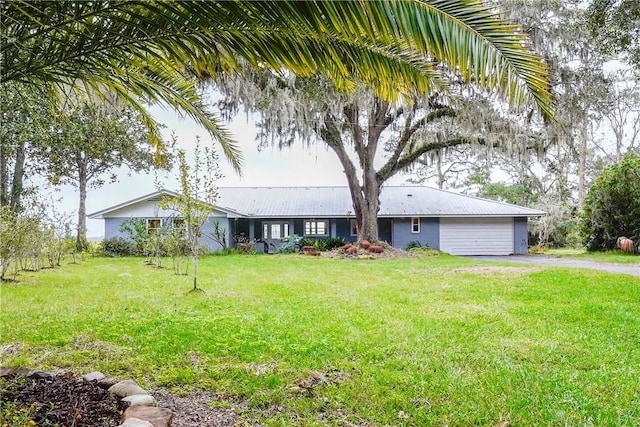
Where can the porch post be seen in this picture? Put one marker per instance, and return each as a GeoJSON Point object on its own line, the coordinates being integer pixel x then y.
{"type": "Point", "coordinates": [252, 229]}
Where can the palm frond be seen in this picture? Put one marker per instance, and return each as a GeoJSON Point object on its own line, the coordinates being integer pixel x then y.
{"type": "Point", "coordinates": [144, 50]}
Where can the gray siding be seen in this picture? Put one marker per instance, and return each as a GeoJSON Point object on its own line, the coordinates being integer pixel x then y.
{"type": "Point", "coordinates": [429, 232]}
{"type": "Point", "coordinates": [112, 229]}
{"type": "Point", "coordinates": [343, 229]}
{"type": "Point", "coordinates": [207, 230]}
{"type": "Point", "coordinates": [520, 236]}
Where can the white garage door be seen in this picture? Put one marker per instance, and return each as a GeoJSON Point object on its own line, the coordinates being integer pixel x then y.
{"type": "Point", "coordinates": [476, 236]}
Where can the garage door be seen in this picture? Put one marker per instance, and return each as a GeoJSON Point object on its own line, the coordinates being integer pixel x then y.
{"type": "Point", "coordinates": [476, 236]}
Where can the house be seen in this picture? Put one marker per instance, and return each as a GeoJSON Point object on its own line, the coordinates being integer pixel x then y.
{"type": "Point", "coordinates": [454, 223]}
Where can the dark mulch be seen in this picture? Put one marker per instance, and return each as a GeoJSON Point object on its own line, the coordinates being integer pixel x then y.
{"type": "Point", "coordinates": [62, 401]}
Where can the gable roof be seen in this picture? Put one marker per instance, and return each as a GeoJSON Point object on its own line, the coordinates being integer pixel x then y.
{"type": "Point", "coordinates": [395, 201]}
{"type": "Point", "coordinates": [155, 196]}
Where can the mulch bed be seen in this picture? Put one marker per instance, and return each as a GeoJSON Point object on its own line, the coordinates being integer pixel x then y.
{"type": "Point", "coordinates": [62, 401]}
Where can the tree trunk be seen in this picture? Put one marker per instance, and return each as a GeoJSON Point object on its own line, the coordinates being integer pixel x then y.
{"type": "Point", "coordinates": [582, 170]}
{"type": "Point", "coordinates": [4, 174]}
{"type": "Point", "coordinates": [370, 207]}
{"type": "Point", "coordinates": [18, 178]}
{"type": "Point", "coordinates": [82, 206]}
{"type": "Point", "coordinates": [195, 272]}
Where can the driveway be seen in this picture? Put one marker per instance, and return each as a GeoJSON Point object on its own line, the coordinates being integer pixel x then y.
{"type": "Point", "coordinates": [633, 270]}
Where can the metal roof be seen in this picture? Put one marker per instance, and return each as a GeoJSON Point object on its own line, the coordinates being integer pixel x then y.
{"type": "Point", "coordinates": [395, 201]}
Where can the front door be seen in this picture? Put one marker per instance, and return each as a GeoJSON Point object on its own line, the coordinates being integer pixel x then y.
{"type": "Point", "coordinates": [272, 234]}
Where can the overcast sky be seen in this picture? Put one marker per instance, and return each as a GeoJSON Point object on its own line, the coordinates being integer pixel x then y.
{"type": "Point", "coordinates": [314, 166]}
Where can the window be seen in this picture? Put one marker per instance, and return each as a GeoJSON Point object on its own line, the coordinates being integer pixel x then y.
{"type": "Point", "coordinates": [415, 225]}
{"type": "Point", "coordinates": [154, 225]}
{"type": "Point", "coordinates": [354, 227]}
{"type": "Point", "coordinates": [275, 230]}
{"type": "Point", "coordinates": [179, 226]}
{"type": "Point", "coordinates": [315, 228]}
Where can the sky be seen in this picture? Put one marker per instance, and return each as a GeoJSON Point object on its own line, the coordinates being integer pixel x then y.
{"type": "Point", "coordinates": [297, 166]}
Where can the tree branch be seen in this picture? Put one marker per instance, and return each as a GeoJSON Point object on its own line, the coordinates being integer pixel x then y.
{"type": "Point", "coordinates": [390, 169]}
{"type": "Point", "coordinates": [392, 166]}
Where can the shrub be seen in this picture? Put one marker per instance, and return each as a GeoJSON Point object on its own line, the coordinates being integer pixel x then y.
{"type": "Point", "coordinates": [329, 243]}
{"type": "Point", "coordinates": [612, 206]}
{"type": "Point", "coordinates": [136, 228]}
{"type": "Point", "coordinates": [306, 241]}
{"type": "Point", "coordinates": [117, 246]}
{"type": "Point", "coordinates": [413, 244]}
{"type": "Point", "coordinates": [290, 244]}
{"type": "Point", "coordinates": [244, 245]}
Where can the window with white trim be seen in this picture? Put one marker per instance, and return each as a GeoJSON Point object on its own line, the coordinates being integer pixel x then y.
{"type": "Point", "coordinates": [415, 225]}
{"type": "Point", "coordinates": [154, 225]}
{"type": "Point", "coordinates": [315, 228]}
{"type": "Point", "coordinates": [179, 226]}
{"type": "Point", "coordinates": [353, 225]}
{"type": "Point", "coordinates": [275, 230]}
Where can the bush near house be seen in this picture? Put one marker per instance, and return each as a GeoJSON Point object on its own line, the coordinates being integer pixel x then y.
{"type": "Point", "coordinates": [612, 206]}
{"type": "Point", "coordinates": [117, 246]}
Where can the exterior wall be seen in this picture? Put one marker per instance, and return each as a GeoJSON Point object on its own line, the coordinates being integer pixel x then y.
{"type": "Point", "coordinates": [207, 230]}
{"type": "Point", "coordinates": [343, 229]}
{"type": "Point", "coordinates": [112, 229]}
{"type": "Point", "coordinates": [429, 232]}
{"type": "Point", "coordinates": [520, 236]}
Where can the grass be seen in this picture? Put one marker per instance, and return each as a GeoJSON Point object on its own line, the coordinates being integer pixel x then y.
{"type": "Point", "coordinates": [423, 341]}
{"type": "Point", "coordinates": [615, 257]}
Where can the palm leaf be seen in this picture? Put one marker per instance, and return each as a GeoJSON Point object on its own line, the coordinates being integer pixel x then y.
{"type": "Point", "coordinates": [145, 50]}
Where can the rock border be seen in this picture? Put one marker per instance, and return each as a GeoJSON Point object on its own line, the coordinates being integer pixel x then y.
{"type": "Point", "coordinates": [143, 410]}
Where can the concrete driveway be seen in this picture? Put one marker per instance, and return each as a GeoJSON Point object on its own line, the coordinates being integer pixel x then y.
{"type": "Point", "coordinates": [633, 270]}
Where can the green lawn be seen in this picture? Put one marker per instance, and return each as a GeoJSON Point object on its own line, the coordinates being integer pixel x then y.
{"type": "Point", "coordinates": [423, 341]}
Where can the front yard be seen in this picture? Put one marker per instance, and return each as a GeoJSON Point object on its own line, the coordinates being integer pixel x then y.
{"type": "Point", "coordinates": [292, 340]}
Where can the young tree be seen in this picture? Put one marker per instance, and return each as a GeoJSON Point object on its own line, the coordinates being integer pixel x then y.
{"type": "Point", "coordinates": [195, 201]}
{"type": "Point", "coordinates": [88, 140]}
{"type": "Point", "coordinates": [24, 119]}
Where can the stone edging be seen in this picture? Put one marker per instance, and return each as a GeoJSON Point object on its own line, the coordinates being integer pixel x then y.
{"type": "Point", "coordinates": [142, 411]}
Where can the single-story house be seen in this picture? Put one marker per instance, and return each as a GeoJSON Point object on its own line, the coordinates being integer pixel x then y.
{"type": "Point", "coordinates": [451, 222]}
